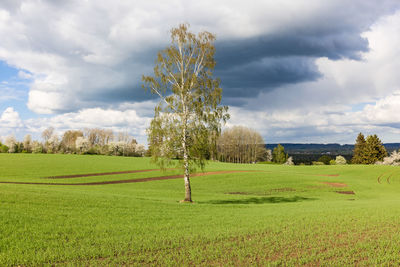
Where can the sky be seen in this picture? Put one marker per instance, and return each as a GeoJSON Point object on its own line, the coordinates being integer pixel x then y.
{"type": "Point", "coordinates": [304, 71]}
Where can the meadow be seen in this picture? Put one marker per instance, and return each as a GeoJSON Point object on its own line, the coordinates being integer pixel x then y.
{"type": "Point", "coordinates": [265, 215]}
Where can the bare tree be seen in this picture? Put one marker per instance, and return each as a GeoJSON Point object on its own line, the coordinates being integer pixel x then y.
{"type": "Point", "coordinates": [69, 139]}
{"type": "Point", "coordinates": [47, 133]}
{"type": "Point", "coordinates": [241, 145]}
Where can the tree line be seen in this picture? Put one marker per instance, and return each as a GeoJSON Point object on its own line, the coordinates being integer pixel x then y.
{"type": "Point", "coordinates": [243, 145]}
{"type": "Point", "coordinates": [94, 141]}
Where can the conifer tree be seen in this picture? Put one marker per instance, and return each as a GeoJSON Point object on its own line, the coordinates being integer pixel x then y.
{"type": "Point", "coordinates": [279, 155]}
{"type": "Point", "coordinates": [359, 150]}
{"type": "Point", "coordinates": [374, 150]}
{"type": "Point", "coordinates": [368, 151]}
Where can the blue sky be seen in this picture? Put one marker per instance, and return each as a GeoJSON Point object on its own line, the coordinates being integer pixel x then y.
{"type": "Point", "coordinates": [296, 71]}
{"type": "Point", "coordinates": [16, 90]}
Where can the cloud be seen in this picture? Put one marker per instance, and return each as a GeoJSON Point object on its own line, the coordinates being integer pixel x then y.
{"type": "Point", "coordinates": [248, 80]}
{"type": "Point", "coordinates": [384, 112]}
{"type": "Point", "coordinates": [9, 93]}
{"type": "Point", "coordinates": [345, 82]}
{"type": "Point", "coordinates": [10, 119]}
{"type": "Point", "coordinates": [294, 70]}
{"type": "Point", "coordinates": [86, 54]}
{"type": "Point", "coordinates": [24, 75]}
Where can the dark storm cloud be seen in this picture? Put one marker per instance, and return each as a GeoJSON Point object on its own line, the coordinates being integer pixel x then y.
{"type": "Point", "coordinates": [250, 66]}
{"type": "Point", "coordinates": [123, 94]}
{"type": "Point", "coordinates": [315, 43]}
{"type": "Point", "coordinates": [249, 79]}
{"type": "Point", "coordinates": [102, 49]}
{"type": "Point", "coordinates": [287, 55]}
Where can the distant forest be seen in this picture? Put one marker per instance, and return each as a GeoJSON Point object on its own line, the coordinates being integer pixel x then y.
{"type": "Point", "coordinates": [307, 153]}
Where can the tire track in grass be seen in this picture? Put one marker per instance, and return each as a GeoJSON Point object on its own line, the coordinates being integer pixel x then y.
{"type": "Point", "coordinates": [388, 178]}
{"type": "Point", "coordinates": [392, 176]}
{"type": "Point", "coordinates": [98, 174]}
{"type": "Point", "coordinates": [131, 180]}
{"type": "Point", "coordinates": [381, 176]}
{"type": "Point", "coordinates": [147, 179]}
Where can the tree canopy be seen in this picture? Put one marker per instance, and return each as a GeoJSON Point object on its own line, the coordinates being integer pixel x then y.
{"type": "Point", "coordinates": [187, 119]}
{"type": "Point", "coordinates": [279, 155]}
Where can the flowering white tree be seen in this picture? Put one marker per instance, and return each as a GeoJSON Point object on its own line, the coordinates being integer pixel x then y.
{"type": "Point", "coordinates": [37, 147]}
{"type": "Point", "coordinates": [11, 143]}
{"type": "Point", "coordinates": [340, 160]}
{"type": "Point", "coordinates": [140, 150]}
{"type": "Point", "coordinates": [27, 143]}
{"type": "Point", "coordinates": [82, 144]}
{"type": "Point", "coordinates": [289, 161]}
{"type": "Point", "coordinates": [52, 143]}
{"type": "Point", "coordinates": [116, 147]}
{"type": "Point", "coordinates": [393, 159]}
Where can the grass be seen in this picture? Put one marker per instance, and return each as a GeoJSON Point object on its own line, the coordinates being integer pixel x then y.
{"type": "Point", "coordinates": [280, 215]}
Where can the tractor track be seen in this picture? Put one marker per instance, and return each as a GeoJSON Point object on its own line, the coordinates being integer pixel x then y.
{"type": "Point", "coordinates": [388, 176]}
{"type": "Point", "coordinates": [139, 180]}
{"type": "Point", "coordinates": [98, 174]}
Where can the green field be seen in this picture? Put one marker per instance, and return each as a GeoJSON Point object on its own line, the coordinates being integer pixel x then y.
{"type": "Point", "coordinates": [278, 215]}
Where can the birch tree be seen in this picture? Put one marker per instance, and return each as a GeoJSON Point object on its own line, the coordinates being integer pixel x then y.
{"type": "Point", "coordinates": [239, 144]}
{"type": "Point", "coordinates": [189, 110]}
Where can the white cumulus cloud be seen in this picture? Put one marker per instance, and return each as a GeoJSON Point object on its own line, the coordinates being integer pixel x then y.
{"type": "Point", "coordinates": [10, 119]}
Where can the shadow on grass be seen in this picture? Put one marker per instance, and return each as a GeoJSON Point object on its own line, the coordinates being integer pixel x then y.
{"type": "Point", "coordinates": [260, 200]}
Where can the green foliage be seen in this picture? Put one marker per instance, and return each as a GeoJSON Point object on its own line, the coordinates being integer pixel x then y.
{"type": "Point", "coordinates": [368, 151]}
{"type": "Point", "coordinates": [317, 163]}
{"type": "Point", "coordinates": [375, 150]}
{"type": "Point", "coordinates": [187, 119]}
{"type": "Point", "coordinates": [332, 162]}
{"type": "Point", "coordinates": [325, 159]}
{"type": "Point", "coordinates": [278, 154]}
{"type": "Point", "coordinates": [3, 148]}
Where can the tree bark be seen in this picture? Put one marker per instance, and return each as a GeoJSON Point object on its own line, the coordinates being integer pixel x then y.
{"type": "Point", "coordinates": [188, 190]}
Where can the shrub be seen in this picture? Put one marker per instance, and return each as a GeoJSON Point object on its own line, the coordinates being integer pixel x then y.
{"type": "Point", "coordinates": [317, 163]}
{"type": "Point", "coordinates": [340, 160]}
{"type": "Point", "coordinates": [3, 148]}
{"type": "Point", "coordinates": [332, 162]}
{"type": "Point", "coordinates": [92, 151]}
{"type": "Point", "coordinates": [289, 161]}
{"type": "Point", "coordinates": [325, 159]}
